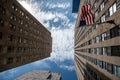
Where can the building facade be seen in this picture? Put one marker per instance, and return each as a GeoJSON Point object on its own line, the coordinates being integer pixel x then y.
{"type": "Point", "coordinates": [40, 75]}
{"type": "Point", "coordinates": [23, 39]}
{"type": "Point", "coordinates": [97, 46]}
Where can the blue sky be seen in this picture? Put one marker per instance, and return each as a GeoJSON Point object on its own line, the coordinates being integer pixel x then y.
{"type": "Point", "coordinates": [57, 17]}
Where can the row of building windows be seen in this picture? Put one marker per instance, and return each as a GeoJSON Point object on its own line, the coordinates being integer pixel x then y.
{"type": "Point", "coordinates": [111, 51]}
{"type": "Point", "coordinates": [12, 49]}
{"type": "Point", "coordinates": [94, 74]}
{"type": "Point", "coordinates": [88, 72]}
{"type": "Point", "coordinates": [11, 60]}
{"type": "Point", "coordinates": [20, 21]}
{"type": "Point", "coordinates": [108, 13]}
{"type": "Point", "coordinates": [15, 8]}
{"type": "Point", "coordinates": [114, 32]}
{"type": "Point", "coordinates": [25, 41]}
{"type": "Point", "coordinates": [14, 28]}
{"type": "Point", "coordinates": [111, 68]}
{"type": "Point", "coordinates": [27, 27]}
{"type": "Point", "coordinates": [101, 6]}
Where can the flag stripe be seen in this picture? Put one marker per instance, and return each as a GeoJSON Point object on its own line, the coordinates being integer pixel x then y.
{"type": "Point", "coordinates": [86, 14]}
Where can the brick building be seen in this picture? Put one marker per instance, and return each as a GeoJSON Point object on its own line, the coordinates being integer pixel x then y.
{"type": "Point", "coordinates": [40, 75]}
{"type": "Point", "coordinates": [23, 39]}
{"type": "Point", "coordinates": [97, 46]}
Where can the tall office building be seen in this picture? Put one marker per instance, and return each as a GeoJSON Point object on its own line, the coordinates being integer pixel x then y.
{"type": "Point", "coordinates": [23, 39]}
{"type": "Point", "coordinates": [97, 46]}
{"type": "Point", "coordinates": [40, 75]}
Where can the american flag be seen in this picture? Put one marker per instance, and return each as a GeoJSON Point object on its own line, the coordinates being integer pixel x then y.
{"type": "Point", "coordinates": [86, 15]}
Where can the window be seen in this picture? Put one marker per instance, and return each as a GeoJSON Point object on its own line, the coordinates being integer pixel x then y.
{"type": "Point", "coordinates": [97, 39]}
{"type": "Point", "coordinates": [25, 40]}
{"type": "Point", "coordinates": [103, 18]}
{"type": "Point", "coordinates": [27, 17]}
{"type": "Point", "coordinates": [98, 51]}
{"type": "Point", "coordinates": [0, 48]}
{"type": "Point", "coordinates": [2, 10]}
{"type": "Point", "coordinates": [1, 35]}
{"type": "Point", "coordinates": [26, 25]}
{"type": "Point", "coordinates": [10, 49]}
{"type": "Point", "coordinates": [18, 59]}
{"type": "Point", "coordinates": [118, 4]}
{"type": "Point", "coordinates": [104, 51]}
{"type": "Point", "coordinates": [96, 14]}
{"type": "Point", "coordinates": [102, 6]}
{"type": "Point", "coordinates": [101, 64]}
{"type": "Point", "coordinates": [22, 14]}
{"type": "Point", "coordinates": [1, 23]}
{"type": "Point", "coordinates": [11, 37]}
{"type": "Point", "coordinates": [13, 17]}
{"type": "Point", "coordinates": [12, 27]}
{"type": "Point", "coordinates": [20, 21]}
{"type": "Point", "coordinates": [97, 62]}
{"type": "Point", "coordinates": [14, 7]}
{"type": "Point", "coordinates": [116, 70]}
{"type": "Point", "coordinates": [20, 30]}
{"type": "Point", "coordinates": [109, 69]}
{"type": "Point", "coordinates": [114, 32]}
{"type": "Point", "coordinates": [95, 4]}
{"type": "Point", "coordinates": [96, 25]}
{"type": "Point", "coordinates": [19, 40]}
{"type": "Point", "coordinates": [105, 1]}
{"type": "Point", "coordinates": [9, 60]}
{"type": "Point", "coordinates": [115, 50]}
{"type": "Point", "coordinates": [26, 33]}
{"type": "Point", "coordinates": [104, 36]}
{"type": "Point", "coordinates": [112, 9]}
{"type": "Point", "coordinates": [105, 65]}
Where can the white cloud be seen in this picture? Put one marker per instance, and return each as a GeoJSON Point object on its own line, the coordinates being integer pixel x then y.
{"type": "Point", "coordinates": [63, 39]}
{"type": "Point", "coordinates": [59, 5]}
{"type": "Point", "coordinates": [63, 47]}
{"type": "Point", "coordinates": [56, 20]}
{"type": "Point", "coordinates": [41, 62]}
{"type": "Point", "coordinates": [42, 16]}
{"type": "Point", "coordinates": [70, 68]}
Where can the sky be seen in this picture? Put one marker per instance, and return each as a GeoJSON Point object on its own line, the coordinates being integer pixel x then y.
{"type": "Point", "coordinates": [57, 17]}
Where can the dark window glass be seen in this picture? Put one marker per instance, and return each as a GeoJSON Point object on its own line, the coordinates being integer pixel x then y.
{"type": "Point", "coordinates": [2, 10]}
{"type": "Point", "coordinates": [118, 4]}
{"type": "Point", "coordinates": [10, 49]}
{"type": "Point", "coordinates": [10, 37]}
{"type": "Point", "coordinates": [105, 65]}
{"type": "Point", "coordinates": [14, 7]}
{"type": "Point", "coordinates": [9, 60]}
{"type": "Point", "coordinates": [1, 35]}
{"type": "Point", "coordinates": [12, 27]}
{"type": "Point", "coordinates": [13, 17]}
{"type": "Point", "coordinates": [95, 76]}
{"type": "Point", "coordinates": [18, 59]}
{"type": "Point", "coordinates": [109, 69]}
{"type": "Point", "coordinates": [115, 51]}
{"type": "Point", "coordinates": [1, 23]}
{"type": "Point", "coordinates": [114, 32]}
{"type": "Point", "coordinates": [0, 48]}
{"type": "Point", "coordinates": [116, 70]}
